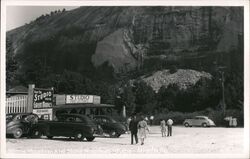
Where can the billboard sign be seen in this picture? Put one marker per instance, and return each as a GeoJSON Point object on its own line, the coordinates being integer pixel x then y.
{"type": "Point", "coordinates": [42, 98]}
{"type": "Point", "coordinates": [42, 103]}
{"type": "Point", "coordinates": [77, 99]}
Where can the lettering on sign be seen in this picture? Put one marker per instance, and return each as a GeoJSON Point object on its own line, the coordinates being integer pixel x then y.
{"type": "Point", "coordinates": [70, 99]}
{"type": "Point", "coordinates": [42, 98]}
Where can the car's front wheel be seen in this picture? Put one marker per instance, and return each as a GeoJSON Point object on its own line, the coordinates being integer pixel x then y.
{"type": "Point", "coordinates": [18, 132]}
{"type": "Point", "coordinates": [186, 125]}
{"type": "Point", "coordinates": [113, 134]}
{"type": "Point", "coordinates": [36, 133]}
{"type": "Point", "coordinates": [90, 138]}
{"type": "Point", "coordinates": [204, 124]}
{"type": "Point", "coordinates": [79, 136]}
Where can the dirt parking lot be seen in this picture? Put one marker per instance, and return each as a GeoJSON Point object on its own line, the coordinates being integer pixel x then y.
{"type": "Point", "coordinates": [184, 140]}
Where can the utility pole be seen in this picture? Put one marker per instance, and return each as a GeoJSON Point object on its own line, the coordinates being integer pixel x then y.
{"type": "Point", "coordinates": [223, 103]}
{"type": "Point", "coordinates": [223, 93]}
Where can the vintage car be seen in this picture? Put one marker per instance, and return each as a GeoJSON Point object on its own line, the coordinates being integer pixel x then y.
{"type": "Point", "coordinates": [20, 124]}
{"type": "Point", "coordinates": [109, 125]}
{"type": "Point", "coordinates": [67, 125]}
{"type": "Point", "coordinates": [203, 121]}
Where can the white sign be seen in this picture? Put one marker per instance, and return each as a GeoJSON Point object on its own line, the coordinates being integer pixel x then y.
{"type": "Point", "coordinates": [45, 114]}
{"type": "Point", "coordinates": [70, 99]}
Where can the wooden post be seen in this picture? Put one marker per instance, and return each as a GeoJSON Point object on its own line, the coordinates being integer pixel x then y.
{"type": "Point", "coordinates": [30, 98]}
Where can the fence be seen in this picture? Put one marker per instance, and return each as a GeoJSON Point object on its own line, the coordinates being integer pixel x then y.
{"type": "Point", "coordinates": [17, 104]}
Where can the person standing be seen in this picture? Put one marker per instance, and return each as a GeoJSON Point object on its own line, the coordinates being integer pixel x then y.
{"type": "Point", "coordinates": [143, 127]}
{"type": "Point", "coordinates": [170, 123]}
{"type": "Point", "coordinates": [163, 128]}
{"type": "Point", "coordinates": [127, 123]}
{"type": "Point", "coordinates": [146, 119]}
{"type": "Point", "coordinates": [133, 129]}
{"type": "Point", "coordinates": [151, 118]}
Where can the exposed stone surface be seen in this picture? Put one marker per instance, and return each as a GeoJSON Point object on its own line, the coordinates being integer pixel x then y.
{"type": "Point", "coordinates": [183, 78]}
{"type": "Point", "coordinates": [114, 50]}
{"type": "Point", "coordinates": [140, 31]}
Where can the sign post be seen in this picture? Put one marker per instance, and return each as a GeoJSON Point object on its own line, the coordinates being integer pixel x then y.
{"type": "Point", "coordinates": [30, 98]}
{"type": "Point", "coordinates": [42, 103]}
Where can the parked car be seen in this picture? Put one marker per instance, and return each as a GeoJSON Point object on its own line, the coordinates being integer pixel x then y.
{"type": "Point", "coordinates": [203, 121]}
{"type": "Point", "coordinates": [68, 125]}
{"type": "Point", "coordinates": [20, 124]}
{"type": "Point", "coordinates": [110, 126]}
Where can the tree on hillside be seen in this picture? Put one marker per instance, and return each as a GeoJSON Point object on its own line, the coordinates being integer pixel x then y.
{"type": "Point", "coordinates": [144, 93]}
{"type": "Point", "coordinates": [11, 64]}
{"type": "Point", "coordinates": [166, 97]}
{"type": "Point", "coordinates": [128, 98]}
{"type": "Point", "coordinates": [144, 96]}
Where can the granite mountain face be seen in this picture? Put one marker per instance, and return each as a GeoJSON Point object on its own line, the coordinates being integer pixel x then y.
{"type": "Point", "coordinates": [130, 38]}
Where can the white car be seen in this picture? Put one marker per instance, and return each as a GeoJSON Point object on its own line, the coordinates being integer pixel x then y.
{"type": "Point", "coordinates": [203, 121]}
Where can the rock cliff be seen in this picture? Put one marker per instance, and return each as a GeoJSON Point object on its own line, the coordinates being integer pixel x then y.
{"type": "Point", "coordinates": [126, 36]}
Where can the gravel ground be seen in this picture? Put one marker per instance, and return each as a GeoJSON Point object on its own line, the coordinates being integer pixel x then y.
{"type": "Point", "coordinates": [193, 140]}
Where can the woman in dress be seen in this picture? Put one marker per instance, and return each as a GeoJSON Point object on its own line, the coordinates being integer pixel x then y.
{"type": "Point", "coordinates": [142, 127]}
{"type": "Point", "coordinates": [163, 128]}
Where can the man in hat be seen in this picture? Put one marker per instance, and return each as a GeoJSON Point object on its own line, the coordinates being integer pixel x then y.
{"type": "Point", "coordinates": [133, 129]}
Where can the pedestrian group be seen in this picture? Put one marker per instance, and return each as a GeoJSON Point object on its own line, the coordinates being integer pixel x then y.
{"type": "Point", "coordinates": [141, 128]}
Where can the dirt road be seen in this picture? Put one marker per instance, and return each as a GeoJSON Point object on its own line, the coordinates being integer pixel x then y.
{"type": "Point", "coordinates": [184, 140]}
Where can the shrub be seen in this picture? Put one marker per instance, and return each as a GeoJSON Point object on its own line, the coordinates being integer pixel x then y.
{"type": "Point", "coordinates": [217, 117]}
{"type": "Point", "coordinates": [173, 69]}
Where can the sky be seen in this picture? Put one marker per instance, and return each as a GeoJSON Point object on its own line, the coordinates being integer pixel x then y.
{"type": "Point", "coordinates": [19, 15]}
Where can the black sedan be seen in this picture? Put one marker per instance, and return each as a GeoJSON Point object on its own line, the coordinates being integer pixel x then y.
{"type": "Point", "coordinates": [68, 125]}
{"type": "Point", "coordinates": [20, 124]}
{"type": "Point", "coordinates": [110, 126]}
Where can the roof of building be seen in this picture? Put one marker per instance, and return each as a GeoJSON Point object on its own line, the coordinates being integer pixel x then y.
{"type": "Point", "coordinates": [18, 90]}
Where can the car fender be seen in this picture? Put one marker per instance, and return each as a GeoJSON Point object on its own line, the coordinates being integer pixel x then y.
{"type": "Point", "coordinates": [11, 129]}
{"type": "Point", "coordinates": [187, 121]}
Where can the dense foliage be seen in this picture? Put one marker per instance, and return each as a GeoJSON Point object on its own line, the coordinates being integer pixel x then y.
{"type": "Point", "coordinates": [11, 65]}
